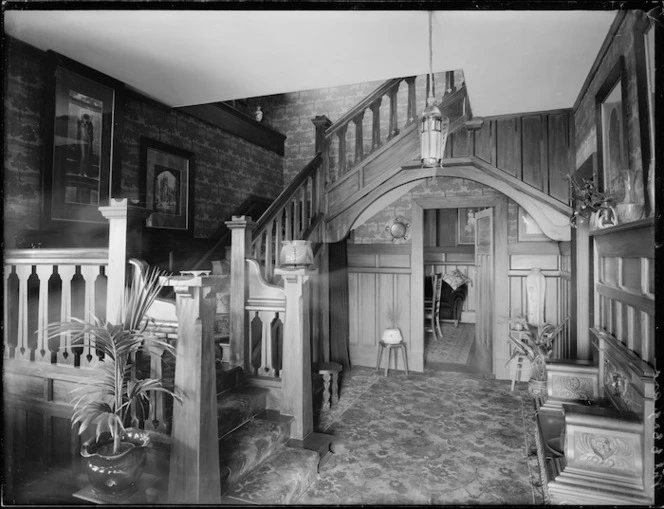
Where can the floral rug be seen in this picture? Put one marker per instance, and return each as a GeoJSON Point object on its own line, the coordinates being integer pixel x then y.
{"type": "Point", "coordinates": [442, 438]}
{"type": "Point", "coordinates": [454, 347]}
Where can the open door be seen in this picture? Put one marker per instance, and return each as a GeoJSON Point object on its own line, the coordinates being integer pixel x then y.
{"type": "Point", "coordinates": [484, 280]}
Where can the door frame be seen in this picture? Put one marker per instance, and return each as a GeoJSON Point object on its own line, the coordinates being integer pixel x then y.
{"type": "Point", "coordinates": [500, 353]}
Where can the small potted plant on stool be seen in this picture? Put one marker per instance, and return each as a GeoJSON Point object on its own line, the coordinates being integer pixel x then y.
{"type": "Point", "coordinates": [392, 335]}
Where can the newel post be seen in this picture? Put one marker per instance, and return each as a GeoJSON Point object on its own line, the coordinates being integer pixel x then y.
{"type": "Point", "coordinates": [241, 228]}
{"type": "Point", "coordinates": [323, 123]}
{"type": "Point", "coordinates": [194, 463]}
{"type": "Point", "coordinates": [121, 218]}
{"type": "Point", "coordinates": [296, 387]}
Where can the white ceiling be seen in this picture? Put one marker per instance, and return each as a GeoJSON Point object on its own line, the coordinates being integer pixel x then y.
{"type": "Point", "coordinates": [513, 61]}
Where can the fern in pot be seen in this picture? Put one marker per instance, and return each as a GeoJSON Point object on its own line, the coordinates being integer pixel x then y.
{"type": "Point", "coordinates": [115, 455]}
{"type": "Point", "coordinates": [392, 335]}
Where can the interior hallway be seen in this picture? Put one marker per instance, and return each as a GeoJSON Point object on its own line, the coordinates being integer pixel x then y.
{"type": "Point", "coordinates": [451, 435]}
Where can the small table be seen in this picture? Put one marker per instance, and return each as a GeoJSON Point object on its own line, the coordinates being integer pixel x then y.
{"type": "Point", "coordinates": [382, 345]}
{"type": "Point", "coordinates": [330, 372]}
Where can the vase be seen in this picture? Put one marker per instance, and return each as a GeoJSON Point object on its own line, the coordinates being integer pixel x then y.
{"type": "Point", "coordinates": [258, 114]}
{"type": "Point", "coordinates": [628, 177]}
{"type": "Point", "coordinates": [115, 474]}
{"type": "Point", "coordinates": [296, 254]}
{"type": "Point", "coordinates": [535, 290]}
{"type": "Point", "coordinates": [392, 336]}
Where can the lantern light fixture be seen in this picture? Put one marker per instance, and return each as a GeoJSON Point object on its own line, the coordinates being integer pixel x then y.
{"type": "Point", "coordinates": [433, 126]}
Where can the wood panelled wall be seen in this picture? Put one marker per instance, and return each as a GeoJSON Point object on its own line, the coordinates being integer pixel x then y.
{"type": "Point", "coordinates": [534, 147]}
{"type": "Point", "coordinates": [379, 276]}
{"type": "Point", "coordinates": [554, 261]}
{"type": "Point", "coordinates": [625, 286]}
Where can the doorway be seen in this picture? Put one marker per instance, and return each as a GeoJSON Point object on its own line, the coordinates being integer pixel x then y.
{"type": "Point", "coordinates": [487, 350]}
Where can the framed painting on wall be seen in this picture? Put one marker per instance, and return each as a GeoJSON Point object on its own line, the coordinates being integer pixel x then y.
{"type": "Point", "coordinates": [166, 185]}
{"type": "Point", "coordinates": [613, 150]}
{"type": "Point", "coordinates": [528, 230]}
{"type": "Point", "coordinates": [466, 226]}
{"type": "Point", "coordinates": [83, 120]}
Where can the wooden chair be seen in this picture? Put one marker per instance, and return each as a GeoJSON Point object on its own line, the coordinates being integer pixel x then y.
{"type": "Point", "coordinates": [432, 306]}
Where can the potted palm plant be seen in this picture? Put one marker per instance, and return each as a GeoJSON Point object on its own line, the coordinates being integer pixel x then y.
{"type": "Point", "coordinates": [104, 403]}
{"type": "Point", "coordinates": [536, 346]}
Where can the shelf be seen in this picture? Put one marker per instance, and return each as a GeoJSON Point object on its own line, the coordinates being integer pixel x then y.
{"type": "Point", "coordinates": [641, 223]}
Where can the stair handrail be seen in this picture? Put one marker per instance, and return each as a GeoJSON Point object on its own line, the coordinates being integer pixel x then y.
{"type": "Point", "coordinates": [286, 195]}
{"type": "Point", "coordinates": [363, 105]}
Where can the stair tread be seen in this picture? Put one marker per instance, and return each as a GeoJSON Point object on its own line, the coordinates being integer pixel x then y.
{"type": "Point", "coordinates": [281, 479]}
{"type": "Point", "coordinates": [239, 405]}
{"type": "Point", "coordinates": [247, 447]}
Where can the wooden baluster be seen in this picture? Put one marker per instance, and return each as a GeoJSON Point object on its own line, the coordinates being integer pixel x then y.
{"type": "Point", "coordinates": [303, 210]}
{"type": "Point", "coordinates": [66, 273]}
{"type": "Point", "coordinates": [44, 273]}
{"type": "Point", "coordinates": [289, 221]}
{"type": "Point", "coordinates": [156, 419]}
{"type": "Point", "coordinates": [450, 87]}
{"type": "Point", "coordinates": [313, 187]}
{"type": "Point", "coordinates": [359, 138]}
{"type": "Point", "coordinates": [322, 123]}
{"type": "Point", "coordinates": [279, 234]}
{"type": "Point", "coordinates": [375, 131]}
{"type": "Point", "coordinates": [22, 350]}
{"type": "Point", "coordinates": [394, 121]}
{"type": "Point", "coordinates": [342, 149]}
{"type": "Point", "coordinates": [266, 361]}
{"type": "Point", "coordinates": [412, 101]}
{"type": "Point", "coordinates": [269, 260]}
{"type": "Point", "coordinates": [89, 273]}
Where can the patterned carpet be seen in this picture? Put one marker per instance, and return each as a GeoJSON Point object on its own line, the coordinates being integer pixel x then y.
{"type": "Point", "coordinates": [437, 437]}
{"type": "Point", "coordinates": [453, 347]}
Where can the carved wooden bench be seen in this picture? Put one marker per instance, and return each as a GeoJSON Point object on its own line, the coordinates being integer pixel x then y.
{"type": "Point", "coordinates": [595, 431]}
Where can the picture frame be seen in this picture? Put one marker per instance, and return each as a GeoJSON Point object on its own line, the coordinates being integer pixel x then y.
{"type": "Point", "coordinates": [166, 185]}
{"type": "Point", "coordinates": [612, 134]}
{"type": "Point", "coordinates": [466, 225]}
{"type": "Point", "coordinates": [527, 229]}
{"type": "Point", "coordinates": [83, 118]}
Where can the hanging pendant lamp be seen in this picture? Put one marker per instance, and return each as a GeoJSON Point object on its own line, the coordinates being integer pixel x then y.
{"type": "Point", "coordinates": [433, 126]}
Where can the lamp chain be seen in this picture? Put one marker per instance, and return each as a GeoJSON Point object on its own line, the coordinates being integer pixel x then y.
{"type": "Point", "coordinates": [431, 91]}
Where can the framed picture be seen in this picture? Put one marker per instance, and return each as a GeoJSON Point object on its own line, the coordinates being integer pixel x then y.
{"type": "Point", "coordinates": [613, 150]}
{"type": "Point", "coordinates": [466, 226]}
{"type": "Point", "coordinates": [83, 119]}
{"type": "Point", "coordinates": [527, 229]}
{"type": "Point", "coordinates": [166, 185]}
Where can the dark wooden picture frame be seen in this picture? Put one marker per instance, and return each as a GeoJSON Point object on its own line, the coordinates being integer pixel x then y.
{"type": "Point", "coordinates": [83, 120]}
{"type": "Point", "coordinates": [612, 133]}
{"type": "Point", "coordinates": [166, 185]}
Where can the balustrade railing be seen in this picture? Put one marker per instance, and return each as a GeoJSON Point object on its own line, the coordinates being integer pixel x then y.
{"type": "Point", "coordinates": [290, 217]}
{"type": "Point", "coordinates": [50, 285]}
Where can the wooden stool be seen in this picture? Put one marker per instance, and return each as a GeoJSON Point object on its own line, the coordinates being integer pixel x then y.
{"type": "Point", "coordinates": [330, 372]}
{"type": "Point", "coordinates": [517, 370]}
{"type": "Point", "coordinates": [392, 346]}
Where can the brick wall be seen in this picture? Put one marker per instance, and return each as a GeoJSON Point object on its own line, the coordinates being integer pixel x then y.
{"type": "Point", "coordinates": [227, 168]}
{"type": "Point", "coordinates": [292, 113]}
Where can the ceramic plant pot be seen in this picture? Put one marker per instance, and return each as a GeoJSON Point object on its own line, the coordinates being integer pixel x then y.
{"type": "Point", "coordinates": [296, 253]}
{"type": "Point", "coordinates": [115, 474]}
{"type": "Point", "coordinates": [392, 336]}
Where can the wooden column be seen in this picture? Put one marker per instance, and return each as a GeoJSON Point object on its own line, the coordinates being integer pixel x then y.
{"type": "Point", "coordinates": [584, 289]}
{"type": "Point", "coordinates": [241, 228]}
{"type": "Point", "coordinates": [120, 218]}
{"type": "Point", "coordinates": [296, 373]}
{"type": "Point", "coordinates": [194, 464]}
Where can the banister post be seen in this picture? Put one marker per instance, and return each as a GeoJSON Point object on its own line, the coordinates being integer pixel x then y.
{"type": "Point", "coordinates": [322, 123]}
{"type": "Point", "coordinates": [375, 128]}
{"type": "Point", "coordinates": [394, 119]}
{"type": "Point", "coordinates": [296, 386]}
{"type": "Point", "coordinates": [412, 100]}
{"type": "Point", "coordinates": [122, 218]}
{"type": "Point", "coordinates": [194, 463]}
{"type": "Point", "coordinates": [241, 233]}
{"type": "Point", "coordinates": [359, 138]}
